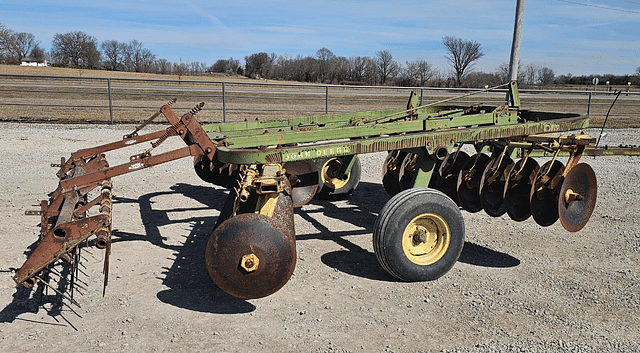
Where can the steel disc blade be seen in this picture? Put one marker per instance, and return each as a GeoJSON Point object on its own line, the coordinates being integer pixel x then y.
{"type": "Point", "coordinates": [391, 172]}
{"type": "Point", "coordinates": [469, 189]}
{"type": "Point", "coordinates": [407, 172]}
{"type": "Point", "coordinates": [210, 173]}
{"type": "Point", "coordinates": [303, 176]}
{"type": "Point", "coordinates": [577, 197]}
{"type": "Point", "coordinates": [544, 195]}
{"type": "Point", "coordinates": [492, 186]}
{"type": "Point", "coordinates": [251, 255]}
{"type": "Point", "coordinates": [517, 188]}
{"type": "Point", "coordinates": [448, 172]}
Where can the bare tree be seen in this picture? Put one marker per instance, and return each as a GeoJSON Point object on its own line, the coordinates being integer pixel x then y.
{"type": "Point", "coordinates": [545, 76]}
{"type": "Point", "coordinates": [462, 54]}
{"type": "Point", "coordinates": [195, 68]}
{"type": "Point", "coordinates": [180, 69]}
{"type": "Point", "coordinates": [259, 65]}
{"type": "Point", "coordinates": [15, 46]}
{"type": "Point", "coordinates": [482, 79]}
{"type": "Point", "coordinates": [228, 66]}
{"type": "Point", "coordinates": [325, 62]}
{"type": "Point", "coordinates": [638, 70]}
{"type": "Point", "coordinates": [387, 67]}
{"type": "Point", "coordinates": [371, 71]}
{"type": "Point", "coordinates": [357, 65]}
{"type": "Point", "coordinates": [38, 54]}
{"type": "Point", "coordinates": [163, 67]}
{"type": "Point", "coordinates": [419, 70]}
{"type": "Point", "coordinates": [531, 74]}
{"type": "Point", "coordinates": [114, 53]}
{"type": "Point", "coordinates": [6, 42]}
{"type": "Point", "coordinates": [137, 58]}
{"type": "Point", "coordinates": [22, 44]}
{"type": "Point", "coordinates": [340, 69]}
{"type": "Point", "coordinates": [75, 48]}
{"type": "Point", "coordinates": [503, 73]}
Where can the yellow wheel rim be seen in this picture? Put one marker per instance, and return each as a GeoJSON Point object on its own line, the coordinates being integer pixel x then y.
{"type": "Point", "coordinates": [426, 239]}
{"type": "Point", "coordinates": [329, 174]}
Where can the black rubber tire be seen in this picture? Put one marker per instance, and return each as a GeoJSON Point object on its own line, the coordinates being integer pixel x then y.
{"type": "Point", "coordinates": [394, 218]}
{"type": "Point", "coordinates": [326, 191]}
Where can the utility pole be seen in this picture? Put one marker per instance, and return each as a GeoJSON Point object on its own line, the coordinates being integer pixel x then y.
{"type": "Point", "coordinates": [515, 45]}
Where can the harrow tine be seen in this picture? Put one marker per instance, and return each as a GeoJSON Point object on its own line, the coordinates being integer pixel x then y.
{"type": "Point", "coordinates": [73, 301]}
{"type": "Point", "coordinates": [105, 269]}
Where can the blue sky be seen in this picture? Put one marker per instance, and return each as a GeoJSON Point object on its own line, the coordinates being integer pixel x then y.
{"type": "Point", "coordinates": [580, 37]}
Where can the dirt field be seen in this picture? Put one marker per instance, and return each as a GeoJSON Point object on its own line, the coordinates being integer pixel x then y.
{"type": "Point", "coordinates": [517, 286]}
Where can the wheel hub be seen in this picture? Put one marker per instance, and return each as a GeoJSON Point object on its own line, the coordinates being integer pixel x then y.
{"type": "Point", "coordinates": [426, 239]}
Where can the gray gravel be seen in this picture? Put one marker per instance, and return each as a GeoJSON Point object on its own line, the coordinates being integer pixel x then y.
{"type": "Point", "coordinates": [518, 287]}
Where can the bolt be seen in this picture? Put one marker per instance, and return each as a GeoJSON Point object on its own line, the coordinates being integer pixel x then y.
{"type": "Point", "coordinates": [419, 236]}
{"type": "Point", "coordinates": [571, 196]}
{"type": "Point", "coordinates": [250, 262]}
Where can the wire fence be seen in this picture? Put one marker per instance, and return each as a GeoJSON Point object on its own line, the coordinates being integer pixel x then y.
{"type": "Point", "coordinates": [131, 100]}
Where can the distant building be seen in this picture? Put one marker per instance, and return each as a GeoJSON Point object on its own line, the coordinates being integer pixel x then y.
{"type": "Point", "coordinates": [32, 62]}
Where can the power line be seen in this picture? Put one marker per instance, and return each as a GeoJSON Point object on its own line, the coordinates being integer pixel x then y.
{"type": "Point", "coordinates": [599, 7]}
{"type": "Point", "coordinates": [631, 2]}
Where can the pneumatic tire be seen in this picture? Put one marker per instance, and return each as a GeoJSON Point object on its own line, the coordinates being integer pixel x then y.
{"type": "Point", "coordinates": [419, 235]}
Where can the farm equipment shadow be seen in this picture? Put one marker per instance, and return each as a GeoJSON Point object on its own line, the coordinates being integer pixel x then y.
{"type": "Point", "coordinates": [189, 285]}
{"type": "Point", "coordinates": [188, 282]}
{"type": "Point", "coordinates": [187, 279]}
{"type": "Point", "coordinates": [366, 202]}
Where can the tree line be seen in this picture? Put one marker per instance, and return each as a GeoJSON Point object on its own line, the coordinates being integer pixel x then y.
{"type": "Point", "coordinates": [81, 50]}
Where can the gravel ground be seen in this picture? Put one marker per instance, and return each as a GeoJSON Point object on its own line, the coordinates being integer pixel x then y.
{"type": "Point", "coordinates": [517, 286]}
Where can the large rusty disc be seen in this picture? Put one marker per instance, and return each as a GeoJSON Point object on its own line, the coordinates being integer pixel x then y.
{"type": "Point", "coordinates": [391, 172]}
{"type": "Point", "coordinates": [303, 176]}
{"type": "Point", "coordinates": [251, 255]}
{"type": "Point", "coordinates": [408, 171]}
{"type": "Point", "coordinates": [492, 186]}
{"type": "Point", "coordinates": [469, 189]}
{"type": "Point", "coordinates": [448, 172]}
{"type": "Point", "coordinates": [209, 172]}
{"type": "Point", "coordinates": [544, 193]}
{"type": "Point", "coordinates": [577, 197]}
{"type": "Point", "coordinates": [517, 188]}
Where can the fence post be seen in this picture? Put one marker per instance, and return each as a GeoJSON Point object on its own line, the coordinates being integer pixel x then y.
{"type": "Point", "coordinates": [589, 105]}
{"type": "Point", "coordinates": [110, 101]}
{"type": "Point", "coordinates": [421, 96]}
{"type": "Point", "coordinates": [224, 104]}
{"type": "Point", "coordinates": [326, 99]}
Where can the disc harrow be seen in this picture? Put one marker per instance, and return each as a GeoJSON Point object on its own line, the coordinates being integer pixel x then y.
{"type": "Point", "coordinates": [441, 158]}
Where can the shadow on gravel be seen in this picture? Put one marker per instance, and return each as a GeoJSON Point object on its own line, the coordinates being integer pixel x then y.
{"type": "Point", "coordinates": [478, 255]}
{"type": "Point", "coordinates": [359, 209]}
{"type": "Point", "coordinates": [33, 300]}
{"type": "Point", "coordinates": [188, 282]}
{"type": "Point", "coordinates": [362, 211]}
